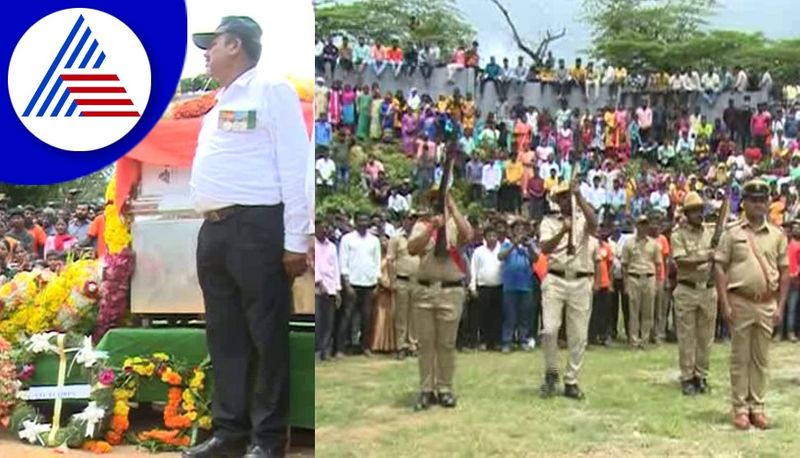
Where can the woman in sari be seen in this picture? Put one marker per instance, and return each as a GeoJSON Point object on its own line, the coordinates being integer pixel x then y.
{"type": "Point", "coordinates": [621, 131]}
{"type": "Point", "coordinates": [409, 131]}
{"type": "Point", "coordinates": [382, 335]}
{"type": "Point", "coordinates": [364, 105]}
{"type": "Point", "coordinates": [348, 108]}
{"type": "Point", "coordinates": [456, 108]}
{"type": "Point", "coordinates": [387, 118]}
{"type": "Point", "coordinates": [399, 105]}
{"type": "Point", "coordinates": [375, 113]}
{"type": "Point", "coordinates": [335, 104]}
{"type": "Point", "coordinates": [610, 122]}
{"type": "Point", "coordinates": [564, 144]}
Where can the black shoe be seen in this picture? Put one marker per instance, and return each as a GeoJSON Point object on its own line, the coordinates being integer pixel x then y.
{"type": "Point", "coordinates": [216, 448]}
{"type": "Point", "coordinates": [548, 388]}
{"type": "Point", "coordinates": [425, 401]}
{"type": "Point", "coordinates": [447, 400]}
{"type": "Point", "coordinates": [701, 385]}
{"type": "Point", "coordinates": [573, 392]}
{"type": "Point", "coordinates": [688, 388]}
{"type": "Point", "coordinates": [257, 451]}
{"type": "Point", "coordinates": [402, 354]}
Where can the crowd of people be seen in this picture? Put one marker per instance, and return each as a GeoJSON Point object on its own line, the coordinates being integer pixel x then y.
{"type": "Point", "coordinates": [46, 237]}
{"type": "Point", "coordinates": [635, 166]}
{"type": "Point", "coordinates": [687, 84]}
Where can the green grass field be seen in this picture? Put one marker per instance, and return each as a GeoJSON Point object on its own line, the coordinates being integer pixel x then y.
{"type": "Point", "coordinates": [633, 407]}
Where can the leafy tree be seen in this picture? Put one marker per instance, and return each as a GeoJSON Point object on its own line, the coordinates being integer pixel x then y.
{"type": "Point", "coordinates": [435, 21]}
{"type": "Point", "coordinates": [91, 188]}
{"type": "Point", "coordinates": [670, 34]}
{"type": "Point", "coordinates": [197, 83]}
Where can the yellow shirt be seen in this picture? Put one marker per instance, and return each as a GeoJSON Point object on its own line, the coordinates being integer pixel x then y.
{"type": "Point", "coordinates": [514, 171]}
{"type": "Point", "coordinates": [547, 75]}
{"type": "Point", "coordinates": [620, 74]}
{"type": "Point", "coordinates": [549, 183]}
{"type": "Point", "coordinates": [578, 74]}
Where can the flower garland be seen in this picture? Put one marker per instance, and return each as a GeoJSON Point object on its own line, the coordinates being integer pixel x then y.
{"type": "Point", "coordinates": [118, 267]}
{"type": "Point", "coordinates": [193, 108]}
{"type": "Point", "coordinates": [114, 292]}
{"type": "Point", "coordinates": [35, 302]}
{"type": "Point", "coordinates": [8, 383]}
{"type": "Point", "coordinates": [89, 423]}
{"type": "Point", "coordinates": [187, 408]}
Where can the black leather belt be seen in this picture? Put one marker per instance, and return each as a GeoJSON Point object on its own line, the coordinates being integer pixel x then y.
{"type": "Point", "coordinates": [565, 275]}
{"type": "Point", "coordinates": [445, 284]}
{"type": "Point", "coordinates": [640, 275]}
{"type": "Point", "coordinates": [403, 277]}
{"type": "Point", "coordinates": [696, 285]}
{"type": "Point", "coordinates": [222, 214]}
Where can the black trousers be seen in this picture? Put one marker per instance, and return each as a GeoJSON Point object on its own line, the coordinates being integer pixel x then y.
{"type": "Point", "coordinates": [248, 302]}
{"type": "Point", "coordinates": [469, 325]}
{"type": "Point", "coordinates": [619, 301]}
{"type": "Point", "coordinates": [325, 314]}
{"type": "Point", "coordinates": [490, 306]}
{"type": "Point", "coordinates": [356, 306]}
{"type": "Point", "coordinates": [600, 323]}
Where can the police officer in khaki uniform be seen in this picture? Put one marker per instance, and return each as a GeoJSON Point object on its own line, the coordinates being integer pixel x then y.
{"type": "Point", "coordinates": [568, 285]}
{"type": "Point", "coordinates": [752, 282]}
{"type": "Point", "coordinates": [437, 299]}
{"type": "Point", "coordinates": [403, 271]}
{"type": "Point", "coordinates": [695, 296]}
{"type": "Point", "coordinates": [641, 266]}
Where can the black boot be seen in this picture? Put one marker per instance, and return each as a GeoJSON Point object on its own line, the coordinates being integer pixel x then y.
{"type": "Point", "coordinates": [425, 400]}
{"type": "Point", "coordinates": [688, 388]}
{"type": "Point", "coordinates": [216, 447]}
{"type": "Point", "coordinates": [572, 391]}
{"type": "Point", "coordinates": [701, 385]}
{"type": "Point", "coordinates": [447, 400]}
{"type": "Point", "coordinates": [548, 388]}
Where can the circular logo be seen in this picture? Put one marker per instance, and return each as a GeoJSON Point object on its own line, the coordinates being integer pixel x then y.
{"type": "Point", "coordinates": [79, 79]}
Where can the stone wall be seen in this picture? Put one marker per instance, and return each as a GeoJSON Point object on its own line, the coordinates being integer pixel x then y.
{"type": "Point", "coordinates": [533, 93]}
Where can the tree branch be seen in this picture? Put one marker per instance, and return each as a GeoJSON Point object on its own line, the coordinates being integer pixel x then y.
{"type": "Point", "coordinates": [537, 55]}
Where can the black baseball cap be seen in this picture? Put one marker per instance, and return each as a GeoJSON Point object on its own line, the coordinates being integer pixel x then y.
{"type": "Point", "coordinates": [242, 27]}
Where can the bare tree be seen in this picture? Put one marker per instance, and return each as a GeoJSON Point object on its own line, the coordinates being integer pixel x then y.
{"type": "Point", "coordinates": [540, 50]}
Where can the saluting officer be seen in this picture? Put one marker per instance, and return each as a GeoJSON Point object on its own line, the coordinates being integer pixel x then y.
{"type": "Point", "coordinates": [752, 283]}
{"type": "Point", "coordinates": [438, 299]}
{"type": "Point", "coordinates": [695, 297]}
{"type": "Point", "coordinates": [641, 267]}
{"type": "Point", "coordinates": [568, 285]}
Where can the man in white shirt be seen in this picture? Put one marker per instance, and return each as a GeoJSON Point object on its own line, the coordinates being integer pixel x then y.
{"type": "Point", "coordinates": [486, 283]}
{"type": "Point", "coordinates": [361, 55]}
{"type": "Point", "coordinates": [491, 179]}
{"type": "Point", "coordinates": [360, 265]}
{"type": "Point", "coordinates": [711, 85]}
{"type": "Point", "coordinates": [597, 196]}
{"type": "Point", "coordinates": [660, 199]}
{"type": "Point", "coordinates": [741, 83]}
{"type": "Point", "coordinates": [766, 82]}
{"type": "Point", "coordinates": [398, 203]}
{"type": "Point", "coordinates": [520, 75]}
{"type": "Point", "coordinates": [325, 173]}
{"type": "Point", "coordinates": [249, 182]}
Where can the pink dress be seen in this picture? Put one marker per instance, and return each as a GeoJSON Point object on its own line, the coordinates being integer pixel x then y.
{"type": "Point", "coordinates": [564, 143]}
{"type": "Point", "coordinates": [335, 107]}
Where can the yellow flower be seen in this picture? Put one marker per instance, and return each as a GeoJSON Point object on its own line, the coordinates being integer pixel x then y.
{"type": "Point", "coordinates": [188, 397]}
{"type": "Point", "coordinates": [192, 415]}
{"type": "Point", "coordinates": [121, 408]}
{"type": "Point", "coordinates": [197, 380]}
{"type": "Point", "coordinates": [205, 422]}
{"type": "Point", "coordinates": [161, 356]}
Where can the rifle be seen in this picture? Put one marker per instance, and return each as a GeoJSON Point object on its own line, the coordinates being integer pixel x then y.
{"type": "Point", "coordinates": [440, 249]}
{"type": "Point", "coordinates": [722, 217]}
{"type": "Point", "coordinates": [574, 207]}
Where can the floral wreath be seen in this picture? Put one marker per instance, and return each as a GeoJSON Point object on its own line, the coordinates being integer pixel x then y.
{"type": "Point", "coordinates": [186, 413]}
{"type": "Point", "coordinates": [81, 428]}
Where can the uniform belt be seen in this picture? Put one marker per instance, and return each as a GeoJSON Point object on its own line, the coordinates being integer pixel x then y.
{"type": "Point", "coordinates": [444, 284]}
{"type": "Point", "coordinates": [222, 214]}
{"type": "Point", "coordinates": [640, 275]}
{"type": "Point", "coordinates": [403, 277]}
{"type": "Point", "coordinates": [754, 297]}
{"type": "Point", "coordinates": [569, 275]}
{"type": "Point", "coordinates": [697, 285]}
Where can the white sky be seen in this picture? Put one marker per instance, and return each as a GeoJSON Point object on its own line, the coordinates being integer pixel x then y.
{"type": "Point", "coordinates": [287, 40]}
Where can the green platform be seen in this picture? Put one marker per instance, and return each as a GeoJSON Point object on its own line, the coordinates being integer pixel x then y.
{"type": "Point", "coordinates": [189, 344]}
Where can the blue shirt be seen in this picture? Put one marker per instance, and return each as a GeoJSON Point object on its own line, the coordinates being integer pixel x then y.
{"type": "Point", "coordinates": [517, 269]}
{"type": "Point", "coordinates": [322, 133]}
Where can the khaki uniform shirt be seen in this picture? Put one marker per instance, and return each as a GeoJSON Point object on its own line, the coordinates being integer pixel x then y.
{"type": "Point", "coordinates": [736, 256]}
{"type": "Point", "coordinates": [582, 261]}
{"type": "Point", "coordinates": [431, 267]}
{"type": "Point", "coordinates": [405, 265]}
{"type": "Point", "coordinates": [688, 242]}
{"type": "Point", "coordinates": [640, 257]}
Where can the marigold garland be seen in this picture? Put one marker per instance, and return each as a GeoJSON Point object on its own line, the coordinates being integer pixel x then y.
{"type": "Point", "coordinates": [117, 235]}
{"type": "Point", "coordinates": [8, 387]}
{"type": "Point", "coordinates": [98, 447]}
{"type": "Point", "coordinates": [186, 411]}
